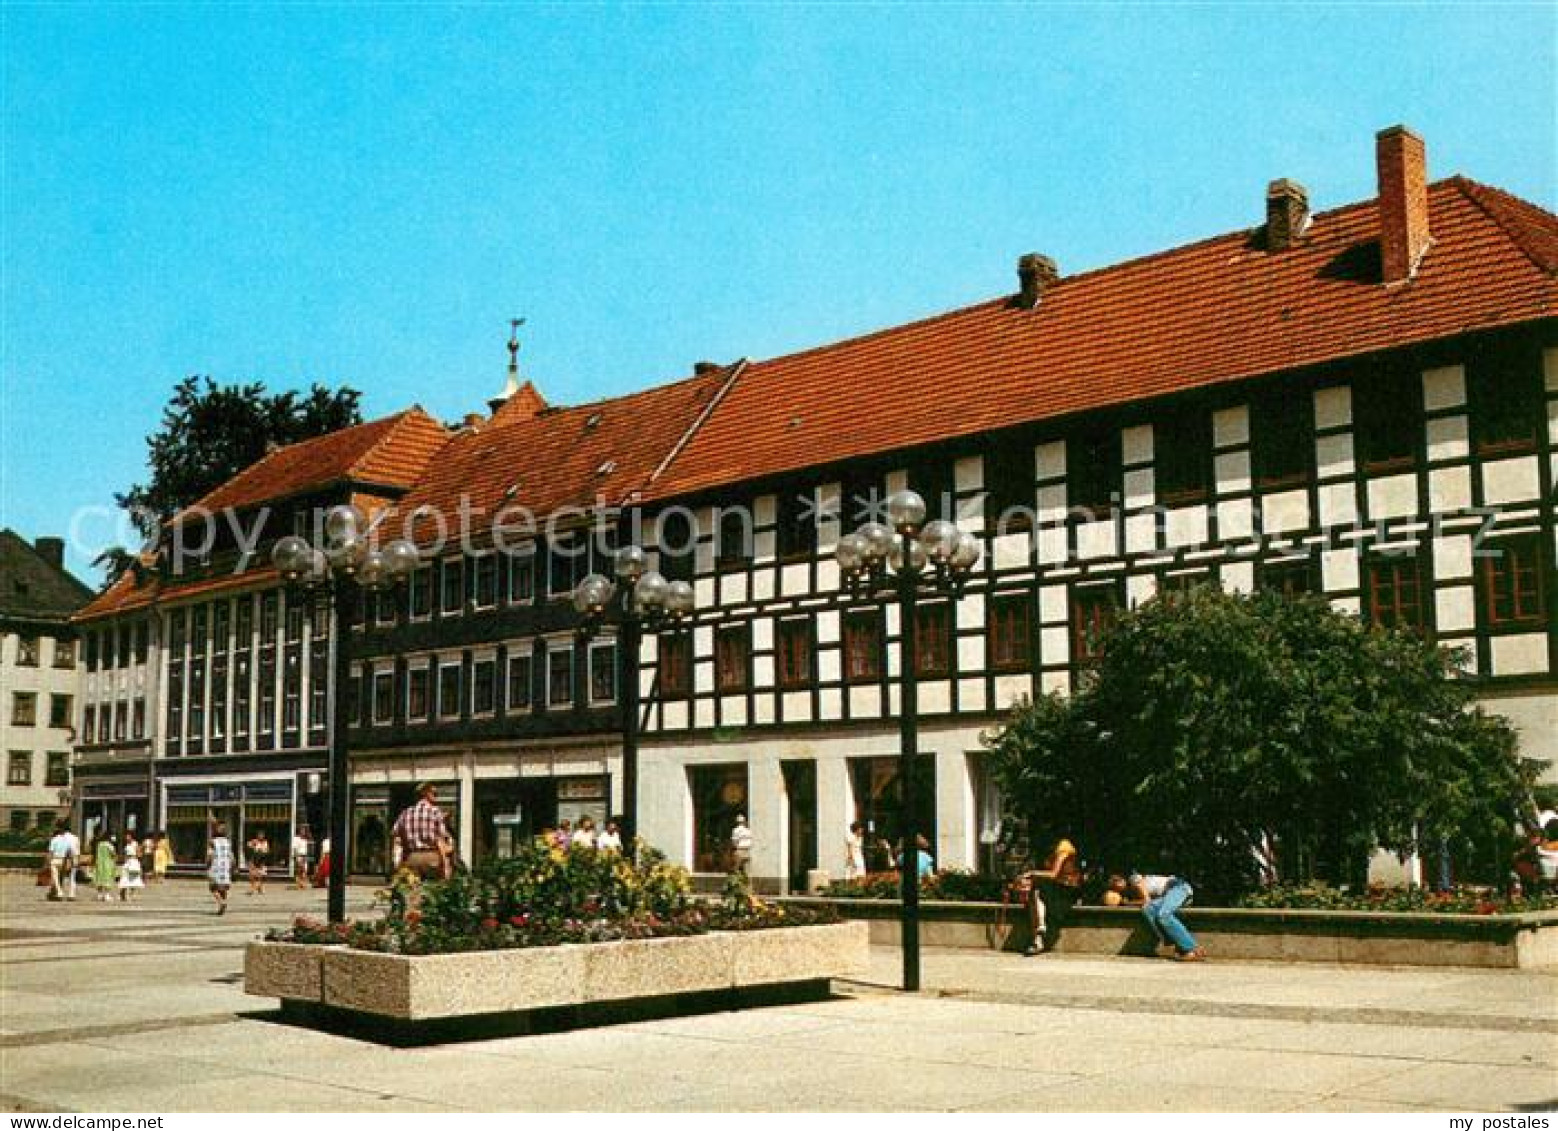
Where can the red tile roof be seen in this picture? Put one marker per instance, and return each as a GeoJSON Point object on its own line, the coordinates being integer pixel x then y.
{"type": "Point", "coordinates": [562, 457]}
{"type": "Point", "coordinates": [390, 452]}
{"type": "Point", "coordinates": [1216, 311]}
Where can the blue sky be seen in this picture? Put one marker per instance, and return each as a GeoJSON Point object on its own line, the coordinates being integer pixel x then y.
{"type": "Point", "coordinates": [364, 195]}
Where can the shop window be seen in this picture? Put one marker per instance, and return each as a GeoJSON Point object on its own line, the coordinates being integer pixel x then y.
{"type": "Point", "coordinates": [677, 542]}
{"type": "Point", "coordinates": [383, 698]}
{"type": "Point", "coordinates": [674, 665]}
{"type": "Point", "coordinates": [1011, 632]}
{"type": "Point", "coordinates": [734, 549]}
{"type": "Point", "coordinates": [1093, 472]}
{"type": "Point", "coordinates": [420, 593]}
{"type": "Point", "coordinates": [1395, 584]}
{"type": "Point", "coordinates": [1513, 576]}
{"type": "Point", "coordinates": [863, 659]}
{"type": "Point", "coordinates": [18, 768]}
{"type": "Point", "coordinates": [60, 710]}
{"type": "Point", "coordinates": [559, 676]}
{"type": "Point", "coordinates": [733, 657]}
{"type": "Point", "coordinates": [418, 681]}
{"type": "Point", "coordinates": [451, 585]}
{"type": "Point", "coordinates": [603, 673]}
{"type": "Point", "coordinates": [1282, 435]}
{"type": "Point", "coordinates": [18, 820]}
{"type": "Point", "coordinates": [57, 771]}
{"type": "Point", "coordinates": [933, 640]}
{"type": "Point", "coordinates": [449, 691]}
{"type": "Point", "coordinates": [796, 516]}
{"type": "Point", "coordinates": [1504, 387]}
{"type": "Point", "coordinates": [879, 806]}
{"type": "Point", "coordinates": [1094, 609]}
{"type": "Point", "coordinates": [1182, 456]}
{"type": "Point", "coordinates": [485, 583]}
{"type": "Point", "coordinates": [1387, 416]}
{"type": "Point", "coordinates": [24, 708]}
{"type": "Point", "coordinates": [26, 651]}
{"type": "Point", "coordinates": [796, 643]}
{"type": "Point", "coordinates": [522, 578]}
{"type": "Point", "coordinates": [65, 654]}
{"type": "Point", "coordinates": [484, 686]}
{"type": "Point", "coordinates": [521, 682]}
{"type": "Point", "coordinates": [719, 796]}
{"type": "Point", "coordinates": [1294, 577]}
{"type": "Point", "coordinates": [1011, 498]}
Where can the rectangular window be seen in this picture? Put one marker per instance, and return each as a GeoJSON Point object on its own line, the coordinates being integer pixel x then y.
{"type": "Point", "coordinates": [1182, 456]}
{"type": "Point", "coordinates": [1504, 387]}
{"type": "Point", "coordinates": [318, 687]}
{"type": "Point", "coordinates": [933, 639]}
{"type": "Point", "coordinates": [485, 582]}
{"type": "Point", "coordinates": [268, 614]}
{"type": "Point", "coordinates": [91, 639]}
{"type": "Point", "coordinates": [795, 646]}
{"type": "Point", "coordinates": [1282, 435]}
{"type": "Point", "coordinates": [1093, 472]}
{"type": "Point", "coordinates": [292, 691]}
{"type": "Point", "coordinates": [383, 698]}
{"type": "Point", "coordinates": [603, 673]}
{"type": "Point", "coordinates": [484, 687]}
{"type": "Point", "coordinates": [521, 682]}
{"type": "Point", "coordinates": [1396, 591]}
{"type": "Point", "coordinates": [567, 557]}
{"type": "Point", "coordinates": [242, 676]}
{"type": "Point", "coordinates": [65, 654]}
{"type": "Point", "coordinates": [1513, 576]}
{"type": "Point", "coordinates": [294, 619]}
{"type": "Point", "coordinates": [60, 712]}
{"type": "Point", "coordinates": [449, 691]}
{"type": "Point", "coordinates": [89, 723]}
{"type": "Point", "coordinates": [105, 719]}
{"type": "Point", "coordinates": [559, 676]}
{"type": "Point", "coordinates": [220, 613]}
{"type": "Point", "coordinates": [175, 705]}
{"type": "Point", "coordinates": [677, 541]}
{"type": "Point", "coordinates": [1011, 497]}
{"type": "Point", "coordinates": [138, 720]}
{"type": "Point", "coordinates": [420, 596]}
{"type": "Point", "coordinates": [384, 607]}
{"type": "Point", "coordinates": [199, 620]}
{"type": "Point", "coordinates": [1294, 577]}
{"type": "Point", "coordinates": [1094, 609]}
{"type": "Point", "coordinates": [733, 657]}
{"type": "Point", "coordinates": [57, 770]}
{"type": "Point", "coordinates": [796, 534]}
{"type": "Point", "coordinates": [121, 720]}
{"type": "Point", "coordinates": [1387, 416]}
{"type": "Point", "coordinates": [674, 665]}
{"type": "Point", "coordinates": [27, 651]}
{"type": "Point", "coordinates": [267, 692]}
{"type": "Point", "coordinates": [522, 578]}
{"type": "Point", "coordinates": [451, 585]}
{"type": "Point", "coordinates": [734, 547]}
{"type": "Point", "coordinates": [18, 768]}
{"type": "Point", "coordinates": [197, 700]}
{"type": "Point", "coordinates": [863, 645]}
{"type": "Point", "coordinates": [418, 684]}
{"type": "Point", "coordinates": [1011, 632]}
{"type": "Point", "coordinates": [124, 646]}
{"type": "Point", "coordinates": [24, 708]}
{"type": "Point", "coordinates": [719, 796]}
{"type": "Point", "coordinates": [243, 625]}
{"type": "Point", "coordinates": [879, 806]}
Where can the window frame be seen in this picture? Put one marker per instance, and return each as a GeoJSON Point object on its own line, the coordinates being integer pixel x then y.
{"type": "Point", "coordinates": [593, 664]}
{"type": "Point", "coordinates": [733, 658]}
{"type": "Point", "coordinates": [18, 767]}
{"type": "Point", "coordinates": [489, 662]}
{"type": "Point", "coordinates": [451, 579]}
{"type": "Point", "coordinates": [1089, 619]}
{"type": "Point", "coordinates": [1011, 638]}
{"type": "Point", "coordinates": [1376, 566]}
{"type": "Point", "coordinates": [450, 701]}
{"type": "Point", "coordinates": [795, 653]}
{"type": "Point", "coordinates": [871, 622]}
{"type": "Point", "coordinates": [1512, 558]}
{"type": "Point", "coordinates": [413, 671]}
{"type": "Point", "coordinates": [382, 695]}
{"type": "Point", "coordinates": [526, 659]}
{"type": "Point", "coordinates": [935, 640]}
{"type": "Point", "coordinates": [56, 769]}
{"type": "Point", "coordinates": [559, 659]}
{"type": "Point", "coordinates": [673, 654]}
{"type": "Point", "coordinates": [27, 717]}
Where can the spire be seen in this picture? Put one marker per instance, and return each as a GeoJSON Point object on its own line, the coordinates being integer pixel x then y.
{"type": "Point", "coordinates": [511, 386]}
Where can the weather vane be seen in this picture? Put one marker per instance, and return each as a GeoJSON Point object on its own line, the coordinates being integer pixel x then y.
{"type": "Point", "coordinates": [514, 325]}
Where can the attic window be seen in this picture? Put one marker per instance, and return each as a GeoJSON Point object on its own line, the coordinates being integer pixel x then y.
{"type": "Point", "coordinates": [510, 491]}
{"type": "Point", "coordinates": [592, 421]}
{"type": "Point", "coordinates": [606, 468]}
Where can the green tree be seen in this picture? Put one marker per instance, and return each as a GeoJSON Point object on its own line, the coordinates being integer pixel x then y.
{"type": "Point", "coordinates": [1221, 730]}
{"type": "Point", "coordinates": [210, 432]}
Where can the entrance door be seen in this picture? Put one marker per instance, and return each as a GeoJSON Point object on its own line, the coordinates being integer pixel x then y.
{"type": "Point", "coordinates": [511, 811]}
{"type": "Point", "coordinates": [800, 786]}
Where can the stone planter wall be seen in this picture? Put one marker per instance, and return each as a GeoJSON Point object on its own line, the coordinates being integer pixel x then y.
{"type": "Point", "coordinates": [437, 986]}
{"type": "Point", "coordinates": [1364, 937]}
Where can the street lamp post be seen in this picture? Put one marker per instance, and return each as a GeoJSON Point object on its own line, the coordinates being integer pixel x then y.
{"type": "Point", "coordinates": [347, 566]}
{"type": "Point", "coordinates": [901, 563]}
{"type": "Point", "coordinates": [643, 601]}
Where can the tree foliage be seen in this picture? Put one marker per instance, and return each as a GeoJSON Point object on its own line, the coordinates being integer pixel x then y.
{"type": "Point", "coordinates": [1221, 729]}
{"type": "Point", "coordinates": [210, 432]}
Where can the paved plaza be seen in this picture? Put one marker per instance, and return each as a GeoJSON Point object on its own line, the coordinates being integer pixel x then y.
{"type": "Point", "coordinates": [141, 1008]}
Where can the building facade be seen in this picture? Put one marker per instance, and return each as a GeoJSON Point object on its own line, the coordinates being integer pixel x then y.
{"type": "Point", "coordinates": [39, 679]}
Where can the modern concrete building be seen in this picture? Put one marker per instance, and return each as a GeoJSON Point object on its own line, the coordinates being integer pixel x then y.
{"type": "Point", "coordinates": [39, 679]}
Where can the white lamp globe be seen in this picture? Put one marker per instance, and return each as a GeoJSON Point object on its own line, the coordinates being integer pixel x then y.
{"type": "Point", "coordinates": [916, 560]}
{"type": "Point", "coordinates": [906, 511]}
{"type": "Point", "coordinates": [400, 559]}
{"type": "Point", "coordinates": [592, 594]}
{"type": "Point", "coordinates": [850, 553]}
{"type": "Point", "coordinates": [650, 592]}
{"type": "Point", "coordinates": [967, 552]}
{"type": "Point", "coordinates": [343, 523]}
{"type": "Point", "coordinates": [630, 563]}
{"type": "Point", "coordinates": [679, 599]}
{"type": "Point", "coordinates": [346, 554]}
{"type": "Point", "coordinates": [940, 539]}
{"type": "Point", "coordinates": [373, 570]}
{"type": "Point", "coordinates": [877, 541]}
{"type": "Point", "coordinates": [290, 556]}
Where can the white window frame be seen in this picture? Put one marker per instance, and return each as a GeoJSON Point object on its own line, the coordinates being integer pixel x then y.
{"type": "Point", "coordinates": [438, 692]}
{"type": "Point", "coordinates": [425, 664]}
{"type": "Point", "coordinates": [598, 646]}
{"type": "Point", "coordinates": [484, 658]}
{"type": "Point", "coordinates": [373, 693]}
{"type": "Point", "coordinates": [518, 652]}
{"type": "Point", "coordinates": [554, 650]}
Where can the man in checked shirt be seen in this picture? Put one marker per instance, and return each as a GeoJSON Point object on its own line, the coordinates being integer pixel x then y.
{"type": "Point", "coordinates": [423, 836]}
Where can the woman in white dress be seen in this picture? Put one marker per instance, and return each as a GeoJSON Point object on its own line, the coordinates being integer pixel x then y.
{"type": "Point", "coordinates": [131, 879]}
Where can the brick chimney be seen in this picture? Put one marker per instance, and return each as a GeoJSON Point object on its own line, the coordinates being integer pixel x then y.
{"type": "Point", "coordinates": [51, 550]}
{"type": "Point", "coordinates": [1035, 275]}
{"type": "Point", "coordinates": [1287, 213]}
{"type": "Point", "coordinates": [1403, 202]}
{"type": "Point", "coordinates": [704, 368]}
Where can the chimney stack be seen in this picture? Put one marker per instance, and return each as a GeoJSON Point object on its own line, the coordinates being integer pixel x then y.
{"type": "Point", "coordinates": [1402, 166]}
{"type": "Point", "coordinates": [1287, 213]}
{"type": "Point", "coordinates": [704, 368]}
{"type": "Point", "coordinates": [1035, 275]}
{"type": "Point", "coordinates": [51, 550]}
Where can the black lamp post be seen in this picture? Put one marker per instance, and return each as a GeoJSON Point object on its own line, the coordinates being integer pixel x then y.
{"type": "Point", "coordinates": [347, 566]}
{"type": "Point", "coordinates": [640, 600]}
{"type": "Point", "coordinates": [879, 564]}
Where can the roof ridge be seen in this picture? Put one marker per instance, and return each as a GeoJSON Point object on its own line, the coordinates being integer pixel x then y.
{"type": "Point", "coordinates": [398, 421]}
{"type": "Point", "coordinates": [1475, 191]}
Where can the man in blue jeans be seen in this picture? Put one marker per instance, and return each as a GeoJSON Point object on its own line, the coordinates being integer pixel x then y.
{"type": "Point", "coordinates": [1161, 898]}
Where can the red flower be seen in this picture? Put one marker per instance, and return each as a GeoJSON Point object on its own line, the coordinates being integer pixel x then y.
{"type": "Point", "coordinates": [413, 918]}
{"type": "Point", "coordinates": [489, 924]}
{"type": "Point", "coordinates": [519, 920]}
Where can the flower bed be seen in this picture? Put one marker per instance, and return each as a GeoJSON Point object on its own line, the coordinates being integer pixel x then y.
{"type": "Point", "coordinates": [1461, 900]}
{"type": "Point", "coordinates": [954, 885]}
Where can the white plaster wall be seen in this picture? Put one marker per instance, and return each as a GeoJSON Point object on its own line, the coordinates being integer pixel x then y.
{"type": "Point", "coordinates": [1508, 481]}
{"type": "Point", "coordinates": [1449, 489]}
{"type": "Point", "coordinates": [1392, 496]}
{"type": "Point", "coordinates": [1535, 716]}
{"type": "Point", "coordinates": [1333, 407]}
{"type": "Point", "coordinates": [1231, 426]}
{"type": "Point", "coordinates": [1444, 388]}
{"type": "Point", "coordinates": [1525, 654]}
